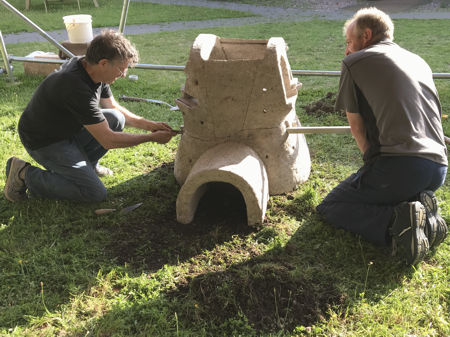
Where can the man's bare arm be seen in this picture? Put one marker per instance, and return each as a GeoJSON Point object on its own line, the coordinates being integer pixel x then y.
{"type": "Point", "coordinates": [358, 130]}
{"type": "Point", "coordinates": [110, 139]}
{"type": "Point", "coordinates": [134, 120]}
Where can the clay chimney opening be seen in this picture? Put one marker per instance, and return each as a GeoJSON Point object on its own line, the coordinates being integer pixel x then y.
{"type": "Point", "coordinates": [237, 50]}
{"type": "Point", "coordinates": [222, 203]}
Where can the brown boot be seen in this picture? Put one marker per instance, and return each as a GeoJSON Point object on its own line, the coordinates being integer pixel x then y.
{"type": "Point", "coordinates": [15, 188]}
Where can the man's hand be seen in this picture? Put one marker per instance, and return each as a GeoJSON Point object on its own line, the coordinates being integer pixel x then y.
{"type": "Point", "coordinates": [162, 136]}
{"type": "Point", "coordinates": [158, 126]}
{"type": "Point", "coordinates": [110, 139]}
{"type": "Point", "coordinates": [133, 120]}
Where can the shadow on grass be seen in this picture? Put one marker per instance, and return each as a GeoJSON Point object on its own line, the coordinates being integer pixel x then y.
{"type": "Point", "coordinates": [151, 237]}
{"type": "Point", "coordinates": [293, 284]}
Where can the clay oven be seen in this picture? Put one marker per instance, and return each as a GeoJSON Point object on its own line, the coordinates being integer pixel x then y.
{"type": "Point", "coordinates": [238, 100]}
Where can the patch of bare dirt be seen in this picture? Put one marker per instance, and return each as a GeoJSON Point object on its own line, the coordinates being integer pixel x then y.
{"type": "Point", "coordinates": [267, 291]}
{"type": "Point", "coordinates": [150, 244]}
{"type": "Point", "coordinates": [323, 106]}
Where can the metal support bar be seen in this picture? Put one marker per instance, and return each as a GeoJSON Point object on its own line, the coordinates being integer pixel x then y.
{"type": "Point", "coordinates": [123, 17]}
{"type": "Point", "coordinates": [35, 59]}
{"type": "Point", "coordinates": [338, 73]}
{"type": "Point", "coordinates": [181, 68]}
{"type": "Point", "coordinates": [316, 72]}
{"type": "Point", "coordinates": [319, 129]}
{"type": "Point", "coordinates": [441, 75]}
{"type": "Point", "coordinates": [40, 31]}
{"type": "Point", "coordinates": [330, 129]}
{"type": "Point", "coordinates": [159, 67]}
{"type": "Point", "coordinates": [5, 58]}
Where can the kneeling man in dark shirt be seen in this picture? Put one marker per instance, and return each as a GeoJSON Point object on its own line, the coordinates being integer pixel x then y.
{"type": "Point", "coordinates": [72, 120]}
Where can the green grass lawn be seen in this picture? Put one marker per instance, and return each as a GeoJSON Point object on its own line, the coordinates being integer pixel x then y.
{"type": "Point", "coordinates": [65, 271]}
{"type": "Point", "coordinates": [107, 14]}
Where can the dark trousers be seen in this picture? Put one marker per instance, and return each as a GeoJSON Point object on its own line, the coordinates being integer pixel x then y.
{"type": "Point", "coordinates": [364, 202]}
{"type": "Point", "coordinates": [70, 166]}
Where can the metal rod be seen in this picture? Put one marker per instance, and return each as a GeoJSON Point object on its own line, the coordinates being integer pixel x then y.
{"type": "Point", "coordinates": [181, 68]}
{"type": "Point", "coordinates": [48, 60]}
{"type": "Point", "coordinates": [36, 60]}
{"type": "Point", "coordinates": [441, 75]}
{"type": "Point", "coordinates": [123, 17]}
{"type": "Point", "coordinates": [40, 31]}
{"type": "Point", "coordinates": [319, 129]}
{"type": "Point", "coordinates": [316, 72]}
{"type": "Point", "coordinates": [159, 67]}
{"type": "Point", "coordinates": [6, 59]}
{"type": "Point", "coordinates": [338, 73]}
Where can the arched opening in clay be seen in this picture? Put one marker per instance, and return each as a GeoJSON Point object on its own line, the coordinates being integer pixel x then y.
{"type": "Point", "coordinates": [221, 204]}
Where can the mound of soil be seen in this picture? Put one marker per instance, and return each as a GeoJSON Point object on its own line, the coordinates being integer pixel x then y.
{"type": "Point", "coordinates": [266, 290]}
{"type": "Point", "coordinates": [323, 106]}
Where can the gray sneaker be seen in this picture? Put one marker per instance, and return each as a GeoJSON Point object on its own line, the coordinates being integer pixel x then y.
{"type": "Point", "coordinates": [15, 188]}
{"type": "Point", "coordinates": [435, 227]}
{"type": "Point", "coordinates": [408, 236]}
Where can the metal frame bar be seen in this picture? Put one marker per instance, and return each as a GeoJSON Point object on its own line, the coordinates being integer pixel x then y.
{"type": "Point", "coordinates": [6, 58]}
{"type": "Point", "coordinates": [35, 60]}
{"type": "Point", "coordinates": [123, 17]}
{"type": "Point", "coordinates": [338, 73]}
{"type": "Point", "coordinates": [181, 68]}
{"type": "Point", "coordinates": [35, 26]}
{"type": "Point", "coordinates": [318, 129]}
{"type": "Point", "coordinates": [126, 4]}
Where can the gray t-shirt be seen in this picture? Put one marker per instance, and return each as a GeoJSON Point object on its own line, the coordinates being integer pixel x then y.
{"type": "Point", "coordinates": [394, 92]}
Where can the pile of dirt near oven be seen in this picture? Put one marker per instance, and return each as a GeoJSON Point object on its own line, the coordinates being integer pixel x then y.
{"type": "Point", "coordinates": [323, 106]}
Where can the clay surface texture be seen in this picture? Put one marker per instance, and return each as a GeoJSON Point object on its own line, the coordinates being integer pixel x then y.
{"type": "Point", "coordinates": [238, 100]}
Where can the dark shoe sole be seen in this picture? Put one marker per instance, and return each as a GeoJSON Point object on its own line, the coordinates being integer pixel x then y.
{"type": "Point", "coordinates": [13, 167]}
{"type": "Point", "coordinates": [436, 229]}
{"type": "Point", "coordinates": [411, 243]}
{"type": "Point", "coordinates": [419, 243]}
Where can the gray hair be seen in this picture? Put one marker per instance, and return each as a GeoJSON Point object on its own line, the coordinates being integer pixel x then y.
{"type": "Point", "coordinates": [378, 21]}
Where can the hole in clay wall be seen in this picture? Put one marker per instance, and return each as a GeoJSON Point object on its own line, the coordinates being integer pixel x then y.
{"type": "Point", "coordinates": [222, 204]}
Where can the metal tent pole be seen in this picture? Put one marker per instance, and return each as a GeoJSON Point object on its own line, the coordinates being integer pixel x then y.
{"type": "Point", "coordinates": [35, 59]}
{"type": "Point", "coordinates": [181, 68]}
{"type": "Point", "coordinates": [159, 67]}
{"type": "Point", "coordinates": [316, 72]}
{"type": "Point", "coordinates": [35, 26]}
{"type": "Point", "coordinates": [5, 58]}
{"type": "Point", "coordinates": [338, 73]}
{"type": "Point", "coordinates": [123, 17]}
{"type": "Point", "coordinates": [319, 129]}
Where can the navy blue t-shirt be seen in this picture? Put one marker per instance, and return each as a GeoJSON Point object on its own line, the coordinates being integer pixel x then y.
{"type": "Point", "coordinates": [65, 101]}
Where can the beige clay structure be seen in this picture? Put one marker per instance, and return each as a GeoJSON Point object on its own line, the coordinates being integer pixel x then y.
{"type": "Point", "coordinates": [238, 100]}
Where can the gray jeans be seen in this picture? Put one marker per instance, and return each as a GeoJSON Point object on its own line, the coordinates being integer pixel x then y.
{"type": "Point", "coordinates": [70, 166]}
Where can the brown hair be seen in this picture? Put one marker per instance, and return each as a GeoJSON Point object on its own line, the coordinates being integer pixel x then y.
{"type": "Point", "coordinates": [378, 21]}
{"type": "Point", "coordinates": [113, 46]}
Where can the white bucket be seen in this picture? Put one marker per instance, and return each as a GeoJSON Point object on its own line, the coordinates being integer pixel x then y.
{"type": "Point", "coordinates": [79, 28]}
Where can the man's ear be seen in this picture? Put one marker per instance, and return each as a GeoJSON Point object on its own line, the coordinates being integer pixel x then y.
{"type": "Point", "coordinates": [103, 62]}
{"type": "Point", "coordinates": [367, 37]}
